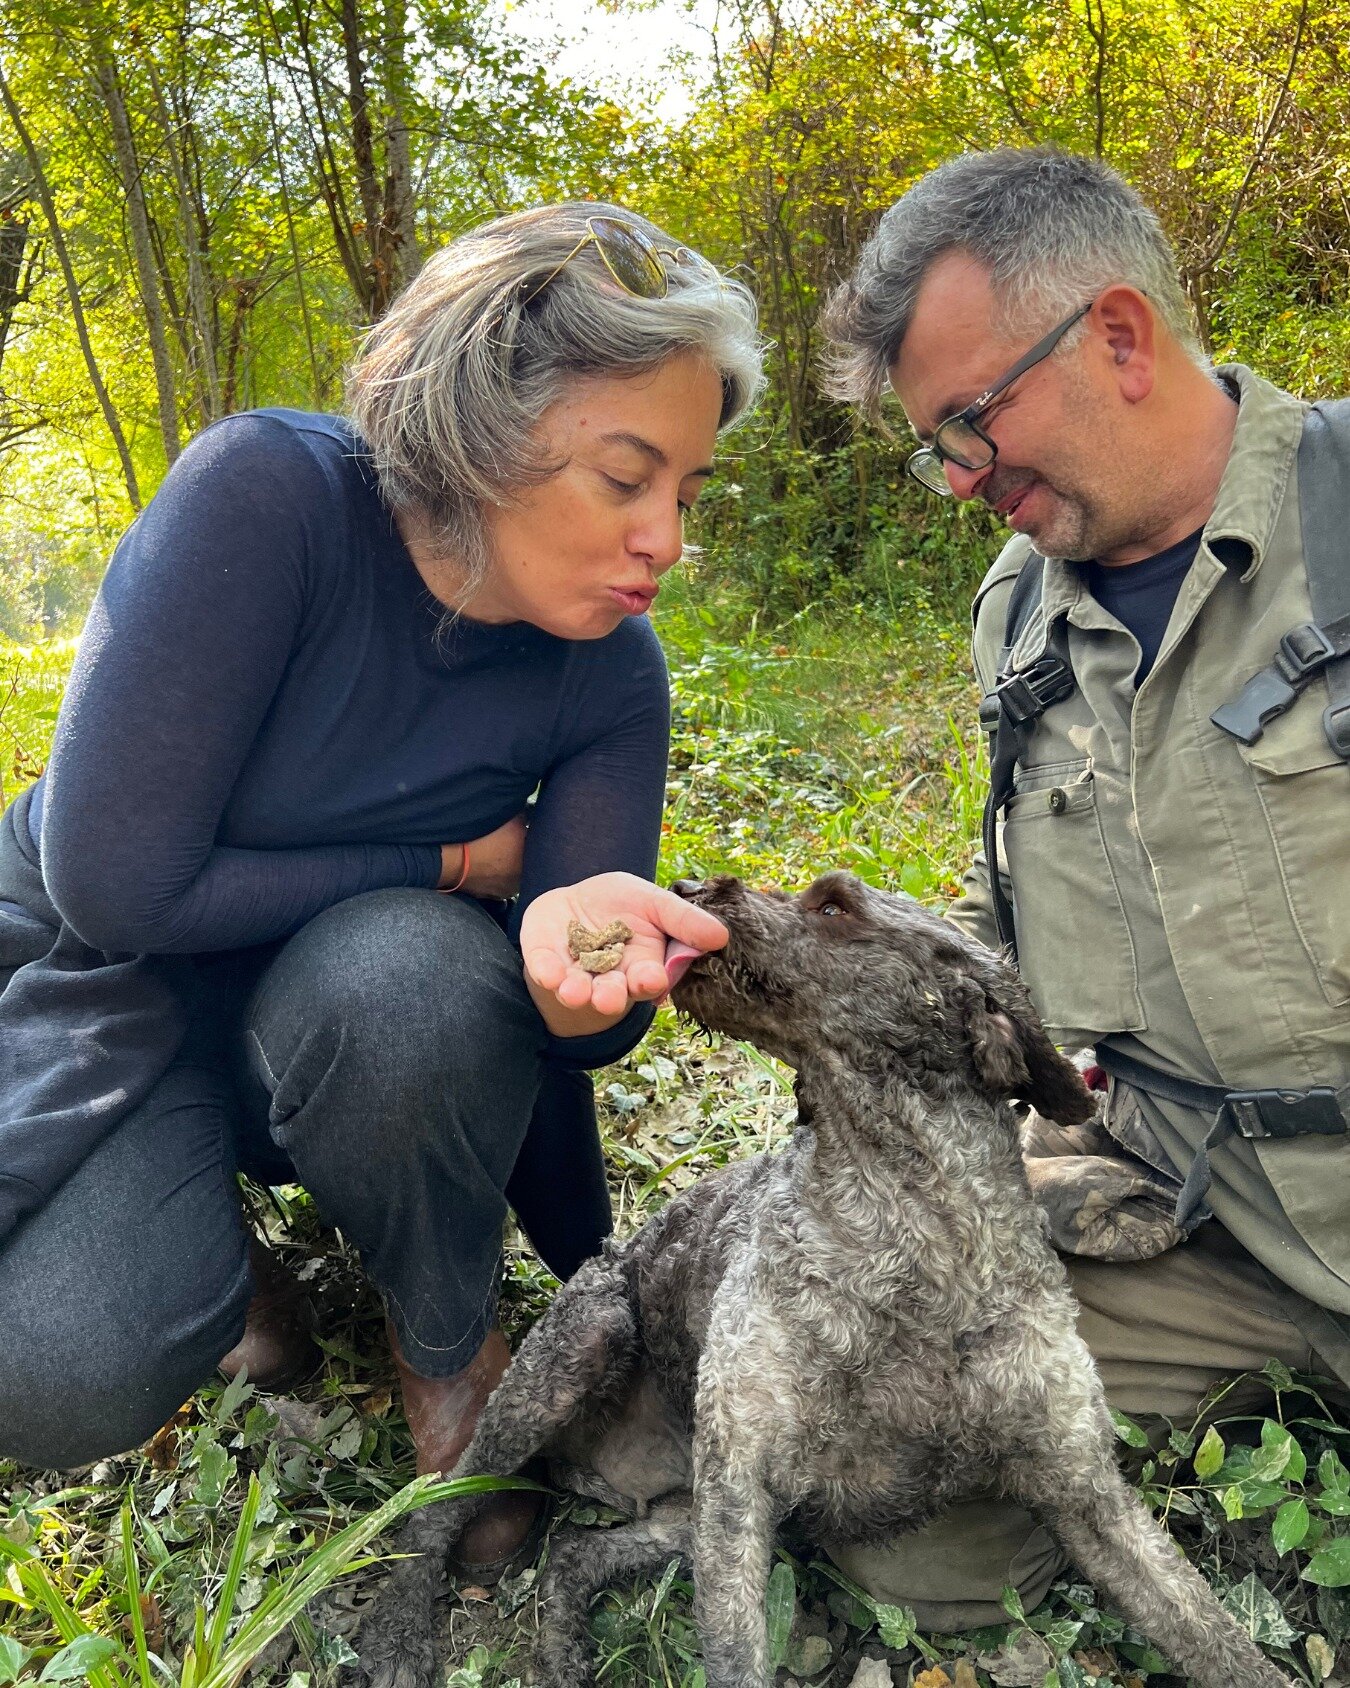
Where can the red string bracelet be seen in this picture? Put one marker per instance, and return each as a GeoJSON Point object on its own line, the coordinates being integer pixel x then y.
{"type": "Point", "coordinates": [448, 890]}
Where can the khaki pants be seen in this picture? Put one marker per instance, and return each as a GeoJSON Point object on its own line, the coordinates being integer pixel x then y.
{"type": "Point", "coordinates": [1163, 1332]}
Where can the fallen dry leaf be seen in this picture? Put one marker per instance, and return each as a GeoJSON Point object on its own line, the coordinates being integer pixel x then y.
{"type": "Point", "coordinates": [934, 1678]}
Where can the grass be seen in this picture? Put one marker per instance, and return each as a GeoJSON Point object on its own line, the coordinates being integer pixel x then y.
{"type": "Point", "coordinates": [239, 1540]}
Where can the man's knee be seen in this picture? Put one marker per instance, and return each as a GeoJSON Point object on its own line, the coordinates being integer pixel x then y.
{"type": "Point", "coordinates": [952, 1573]}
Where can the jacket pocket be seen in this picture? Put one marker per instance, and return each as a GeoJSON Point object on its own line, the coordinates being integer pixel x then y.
{"type": "Point", "coordinates": [1311, 1179]}
{"type": "Point", "coordinates": [1304, 791]}
{"type": "Point", "coordinates": [1074, 946]}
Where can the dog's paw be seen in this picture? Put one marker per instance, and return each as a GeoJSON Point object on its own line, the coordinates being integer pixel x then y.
{"type": "Point", "coordinates": [406, 1659]}
{"type": "Point", "coordinates": [563, 1659]}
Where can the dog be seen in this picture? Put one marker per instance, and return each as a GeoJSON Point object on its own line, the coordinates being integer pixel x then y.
{"type": "Point", "coordinates": [849, 1334]}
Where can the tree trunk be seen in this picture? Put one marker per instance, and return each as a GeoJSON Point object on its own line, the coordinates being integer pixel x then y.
{"type": "Point", "coordinates": [400, 206]}
{"type": "Point", "coordinates": [42, 188]}
{"type": "Point", "coordinates": [200, 300]}
{"type": "Point", "coordinates": [138, 221]}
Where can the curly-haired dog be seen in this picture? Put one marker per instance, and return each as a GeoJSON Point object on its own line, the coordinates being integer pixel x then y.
{"type": "Point", "coordinates": [851, 1333]}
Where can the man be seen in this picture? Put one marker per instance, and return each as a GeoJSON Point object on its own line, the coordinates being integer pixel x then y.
{"type": "Point", "coordinates": [1180, 896]}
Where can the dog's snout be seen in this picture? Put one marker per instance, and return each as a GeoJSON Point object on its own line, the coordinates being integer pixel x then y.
{"type": "Point", "coordinates": [687, 888]}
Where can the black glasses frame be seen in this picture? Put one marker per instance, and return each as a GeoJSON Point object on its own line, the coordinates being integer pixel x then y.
{"type": "Point", "coordinates": [925, 465]}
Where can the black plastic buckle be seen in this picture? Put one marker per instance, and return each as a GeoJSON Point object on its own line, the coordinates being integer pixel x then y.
{"type": "Point", "coordinates": [1027, 695]}
{"type": "Point", "coordinates": [1336, 725]}
{"type": "Point", "coordinates": [1285, 1113]}
{"type": "Point", "coordinates": [1303, 650]}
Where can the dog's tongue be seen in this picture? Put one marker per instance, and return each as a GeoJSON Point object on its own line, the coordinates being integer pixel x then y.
{"type": "Point", "coordinates": [678, 957]}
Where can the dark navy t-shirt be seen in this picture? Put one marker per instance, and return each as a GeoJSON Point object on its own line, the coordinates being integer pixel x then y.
{"type": "Point", "coordinates": [1141, 595]}
{"type": "Point", "coordinates": [269, 714]}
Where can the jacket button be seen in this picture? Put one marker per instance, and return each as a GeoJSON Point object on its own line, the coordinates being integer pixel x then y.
{"type": "Point", "coordinates": [1057, 801]}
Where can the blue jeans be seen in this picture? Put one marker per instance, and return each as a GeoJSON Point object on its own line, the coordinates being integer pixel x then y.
{"type": "Point", "coordinates": [388, 1057]}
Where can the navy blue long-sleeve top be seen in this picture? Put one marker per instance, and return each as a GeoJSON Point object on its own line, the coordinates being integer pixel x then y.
{"type": "Point", "coordinates": [270, 713]}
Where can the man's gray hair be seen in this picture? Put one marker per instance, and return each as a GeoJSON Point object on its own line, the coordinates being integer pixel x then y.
{"type": "Point", "coordinates": [1052, 228]}
{"type": "Point", "coordinates": [449, 387]}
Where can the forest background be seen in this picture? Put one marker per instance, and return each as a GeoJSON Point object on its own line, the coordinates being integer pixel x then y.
{"type": "Point", "coordinates": [200, 206]}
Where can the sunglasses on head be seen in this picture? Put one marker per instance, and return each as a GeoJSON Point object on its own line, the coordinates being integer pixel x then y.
{"type": "Point", "coordinates": [633, 261]}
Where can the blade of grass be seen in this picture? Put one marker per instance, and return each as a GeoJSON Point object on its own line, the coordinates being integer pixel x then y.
{"type": "Point", "coordinates": [132, 1572]}
{"type": "Point", "coordinates": [234, 1571]}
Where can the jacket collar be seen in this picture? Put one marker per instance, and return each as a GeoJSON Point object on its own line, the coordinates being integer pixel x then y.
{"type": "Point", "coordinates": [1247, 506]}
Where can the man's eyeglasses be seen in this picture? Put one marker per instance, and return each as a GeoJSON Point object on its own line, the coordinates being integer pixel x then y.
{"type": "Point", "coordinates": [631, 259]}
{"type": "Point", "coordinates": [960, 439]}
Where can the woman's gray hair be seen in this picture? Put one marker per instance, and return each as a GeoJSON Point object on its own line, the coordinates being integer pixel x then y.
{"type": "Point", "coordinates": [1052, 228]}
{"type": "Point", "coordinates": [449, 387]}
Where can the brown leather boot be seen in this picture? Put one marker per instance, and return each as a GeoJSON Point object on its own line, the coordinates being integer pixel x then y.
{"type": "Point", "coordinates": [276, 1345]}
{"type": "Point", "coordinates": [442, 1413]}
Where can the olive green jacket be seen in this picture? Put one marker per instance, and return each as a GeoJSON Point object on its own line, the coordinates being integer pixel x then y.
{"type": "Point", "coordinates": [1180, 892]}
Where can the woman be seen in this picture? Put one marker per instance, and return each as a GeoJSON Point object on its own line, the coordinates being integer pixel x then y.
{"type": "Point", "coordinates": [328, 669]}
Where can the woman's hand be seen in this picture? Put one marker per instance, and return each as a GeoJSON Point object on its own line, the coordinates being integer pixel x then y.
{"type": "Point", "coordinates": [495, 862]}
{"type": "Point", "coordinates": [573, 1001]}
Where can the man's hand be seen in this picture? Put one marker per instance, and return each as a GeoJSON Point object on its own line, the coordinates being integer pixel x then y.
{"type": "Point", "coordinates": [574, 1001]}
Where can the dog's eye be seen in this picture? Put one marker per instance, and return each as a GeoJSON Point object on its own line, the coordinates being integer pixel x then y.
{"type": "Point", "coordinates": [830, 908]}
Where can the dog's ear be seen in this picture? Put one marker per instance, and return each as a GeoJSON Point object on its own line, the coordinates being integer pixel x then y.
{"type": "Point", "coordinates": [1014, 1057]}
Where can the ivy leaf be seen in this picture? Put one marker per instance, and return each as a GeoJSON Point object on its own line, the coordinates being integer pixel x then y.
{"type": "Point", "coordinates": [895, 1625]}
{"type": "Point", "coordinates": [1209, 1455]}
{"type": "Point", "coordinates": [1321, 1659]}
{"type": "Point", "coordinates": [1256, 1609]}
{"type": "Point", "coordinates": [1271, 1459]}
{"type": "Point", "coordinates": [1290, 1525]}
{"type": "Point", "coordinates": [80, 1656]}
{"type": "Point", "coordinates": [214, 1470]}
{"type": "Point", "coordinates": [1331, 1473]}
{"type": "Point", "coordinates": [1329, 1567]}
{"type": "Point", "coordinates": [13, 1656]}
{"type": "Point", "coordinates": [1128, 1431]}
{"type": "Point", "coordinates": [1280, 1445]}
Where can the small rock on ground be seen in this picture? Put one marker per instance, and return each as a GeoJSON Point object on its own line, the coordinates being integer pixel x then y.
{"type": "Point", "coordinates": [871, 1673]}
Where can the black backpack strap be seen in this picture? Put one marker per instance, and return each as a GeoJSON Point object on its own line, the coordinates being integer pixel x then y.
{"type": "Point", "coordinates": [1010, 711]}
{"type": "Point", "coordinates": [1320, 646]}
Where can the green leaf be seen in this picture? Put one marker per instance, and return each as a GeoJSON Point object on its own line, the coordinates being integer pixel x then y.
{"type": "Point", "coordinates": [78, 1658]}
{"type": "Point", "coordinates": [1277, 1373]}
{"type": "Point", "coordinates": [1334, 1502]}
{"type": "Point", "coordinates": [1059, 1635]}
{"type": "Point", "coordinates": [1290, 1525]}
{"type": "Point", "coordinates": [1321, 1659]}
{"type": "Point", "coordinates": [13, 1656]}
{"type": "Point", "coordinates": [1329, 1567]}
{"type": "Point", "coordinates": [1209, 1455]}
{"type": "Point", "coordinates": [235, 1393]}
{"type": "Point", "coordinates": [1331, 1473]}
{"type": "Point", "coordinates": [1256, 1609]}
{"type": "Point", "coordinates": [214, 1468]}
{"type": "Point", "coordinates": [1012, 1601]}
{"type": "Point", "coordinates": [781, 1604]}
{"type": "Point", "coordinates": [1231, 1501]}
{"type": "Point", "coordinates": [1279, 1444]}
{"type": "Point", "coordinates": [895, 1625]}
{"type": "Point", "coordinates": [1271, 1459]}
{"type": "Point", "coordinates": [1257, 1496]}
{"type": "Point", "coordinates": [1128, 1431]}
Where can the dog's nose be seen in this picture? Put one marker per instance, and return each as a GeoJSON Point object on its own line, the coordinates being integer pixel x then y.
{"type": "Point", "coordinates": [687, 888]}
